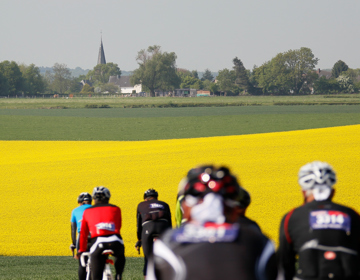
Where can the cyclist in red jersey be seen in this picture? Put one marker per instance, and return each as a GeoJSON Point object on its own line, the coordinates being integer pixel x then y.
{"type": "Point", "coordinates": [103, 222]}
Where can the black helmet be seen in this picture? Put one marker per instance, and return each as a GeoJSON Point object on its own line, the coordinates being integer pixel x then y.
{"type": "Point", "coordinates": [101, 193]}
{"type": "Point", "coordinates": [207, 178]}
{"type": "Point", "coordinates": [151, 193]}
{"type": "Point", "coordinates": [84, 197]}
{"type": "Point", "coordinates": [244, 198]}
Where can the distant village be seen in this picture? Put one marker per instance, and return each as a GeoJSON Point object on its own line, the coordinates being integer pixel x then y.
{"type": "Point", "coordinates": [128, 89]}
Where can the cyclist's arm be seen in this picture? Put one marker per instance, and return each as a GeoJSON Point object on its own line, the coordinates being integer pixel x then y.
{"type": "Point", "coordinates": [139, 224]}
{"type": "Point", "coordinates": [285, 255]}
{"type": "Point", "coordinates": [73, 232]}
{"type": "Point", "coordinates": [84, 233]}
{"type": "Point", "coordinates": [169, 216]}
{"type": "Point", "coordinates": [178, 213]}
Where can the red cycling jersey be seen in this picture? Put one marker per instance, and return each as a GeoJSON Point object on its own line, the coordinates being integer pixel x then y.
{"type": "Point", "coordinates": [99, 220]}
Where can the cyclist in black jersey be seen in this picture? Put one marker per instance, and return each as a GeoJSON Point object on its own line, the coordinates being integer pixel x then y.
{"type": "Point", "coordinates": [153, 218]}
{"type": "Point", "coordinates": [320, 239]}
{"type": "Point", "coordinates": [212, 244]}
{"type": "Point", "coordinates": [244, 200]}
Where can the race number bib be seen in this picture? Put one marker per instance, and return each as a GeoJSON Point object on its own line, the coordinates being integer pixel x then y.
{"type": "Point", "coordinates": [330, 219]}
{"type": "Point", "coordinates": [196, 234]}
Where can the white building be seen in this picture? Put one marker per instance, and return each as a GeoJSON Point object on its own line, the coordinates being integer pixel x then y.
{"type": "Point", "coordinates": [123, 82]}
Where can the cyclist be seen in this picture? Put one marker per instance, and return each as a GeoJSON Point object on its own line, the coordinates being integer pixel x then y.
{"type": "Point", "coordinates": [320, 239]}
{"type": "Point", "coordinates": [244, 200]}
{"type": "Point", "coordinates": [211, 244]}
{"type": "Point", "coordinates": [103, 222]}
{"type": "Point", "coordinates": [179, 212]}
{"type": "Point", "coordinates": [153, 218]}
{"type": "Point", "coordinates": [84, 201]}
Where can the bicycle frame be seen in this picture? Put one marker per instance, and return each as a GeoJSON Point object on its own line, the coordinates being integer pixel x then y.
{"type": "Point", "coordinates": [107, 275]}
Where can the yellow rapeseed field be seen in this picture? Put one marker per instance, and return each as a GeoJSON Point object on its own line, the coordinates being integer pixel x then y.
{"type": "Point", "coordinates": [40, 181]}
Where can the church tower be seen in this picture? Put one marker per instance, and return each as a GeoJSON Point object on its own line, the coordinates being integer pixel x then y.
{"type": "Point", "coordinates": [101, 57]}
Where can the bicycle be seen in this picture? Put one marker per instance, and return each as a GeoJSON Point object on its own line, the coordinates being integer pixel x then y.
{"type": "Point", "coordinates": [107, 275]}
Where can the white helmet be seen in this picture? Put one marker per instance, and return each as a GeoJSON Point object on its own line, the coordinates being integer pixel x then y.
{"type": "Point", "coordinates": [101, 193]}
{"type": "Point", "coordinates": [316, 173]}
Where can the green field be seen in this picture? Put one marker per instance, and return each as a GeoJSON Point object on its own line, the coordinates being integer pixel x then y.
{"type": "Point", "coordinates": [123, 124]}
{"type": "Point", "coordinates": [119, 124]}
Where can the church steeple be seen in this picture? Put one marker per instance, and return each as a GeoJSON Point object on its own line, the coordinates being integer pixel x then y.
{"type": "Point", "coordinates": [101, 57]}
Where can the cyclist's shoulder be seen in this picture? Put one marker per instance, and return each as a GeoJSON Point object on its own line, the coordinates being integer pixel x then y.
{"type": "Point", "coordinates": [345, 208]}
{"type": "Point", "coordinates": [163, 203]}
{"type": "Point", "coordinates": [80, 209]}
{"type": "Point", "coordinates": [100, 207]}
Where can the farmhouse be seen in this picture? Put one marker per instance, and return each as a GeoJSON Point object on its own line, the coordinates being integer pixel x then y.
{"type": "Point", "coordinates": [123, 82]}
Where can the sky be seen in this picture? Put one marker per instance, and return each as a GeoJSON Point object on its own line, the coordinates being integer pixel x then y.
{"type": "Point", "coordinates": [204, 34]}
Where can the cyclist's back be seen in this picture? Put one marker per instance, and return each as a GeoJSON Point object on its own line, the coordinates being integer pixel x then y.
{"type": "Point", "coordinates": [325, 236]}
{"type": "Point", "coordinates": [103, 222]}
{"type": "Point", "coordinates": [153, 218]}
{"type": "Point", "coordinates": [212, 245]}
{"type": "Point", "coordinates": [213, 251]}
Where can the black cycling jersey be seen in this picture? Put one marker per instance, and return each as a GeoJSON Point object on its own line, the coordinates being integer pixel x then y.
{"type": "Point", "coordinates": [212, 252]}
{"type": "Point", "coordinates": [153, 218]}
{"type": "Point", "coordinates": [152, 210]}
{"type": "Point", "coordinates": [245, 221]}
{"type": "Point", "coordinates": [325, 237]}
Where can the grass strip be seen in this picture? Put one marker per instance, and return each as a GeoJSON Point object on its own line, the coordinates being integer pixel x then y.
{"type": "Point", "coordinates": [174, 102]}
{"type": "Point", "coordinates": [58, 268]}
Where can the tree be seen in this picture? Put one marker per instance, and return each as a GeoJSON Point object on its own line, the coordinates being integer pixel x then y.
{"type": "Point", "coordinates": [157, 70]}
{"type": "Point", "coordinates": [74, 86]}
{"type": "Point", "coordinates": [353, 74]}
{"type": "Point", "coordinates": [195, 74]}
{"type": "Point", "coordinates": [34, 81]}
{"type": "Point", "coordinates": [241, 75]}
{"type": "Point", "coordinates": [207, 75]}
{"type": "Point", "coordinates": [326, 86]}
{"type": "Point", "coordinates": [102, 72]}
{"type": "Point", "coordinates": [109, 88]}
{"type": "Point", "coordinates": [191, 82]}
{"type": "Point", "coordinates": [61, 78]}
{"type": "Point", "coordinates": [4, 85]}
{"type": "Point", "coordinates": [345, 83]}
{"type": "Point", "coordinates": [291, 72]}
{"type": "Point", "coordinates": [213, 87]}
{"type": "Point", "coordinates": [13, 75]}
{"type": "Point", "coordinates": [226, 81]}
{"type": "Point", "coordinates": [339, 66]}
{"type": "Point", "coordinates": [87, 89]}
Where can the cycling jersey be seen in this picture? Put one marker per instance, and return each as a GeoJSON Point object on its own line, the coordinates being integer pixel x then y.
{"type": "Point", "coordinates": [103, 222]}
{"type": "Point", "coordinates": [152, 210]}
{"type": "Point", "coordinates": [76, 218]}
{"type": "Point", "coordinates": [245, 221]}
{"type": "Point", "coordinates": [153, 218]}
{"type": "Point", "coordinates": [99, 220]}
{"type": "Point", "coordinates": [212, 252]}
{"type": "Point", "coordinates": [76, 215]}
{"type": "Point", "coordinates": [179, 211]}
{"type": "Point", "coordinates": [326, 238]}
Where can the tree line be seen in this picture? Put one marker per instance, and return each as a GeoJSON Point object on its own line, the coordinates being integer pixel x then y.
{"type": "Point", "coordinates": [289, 73]}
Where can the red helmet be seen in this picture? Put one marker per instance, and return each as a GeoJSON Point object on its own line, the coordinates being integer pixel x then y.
{"type": "Point", "coordinates": [207, 178]}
